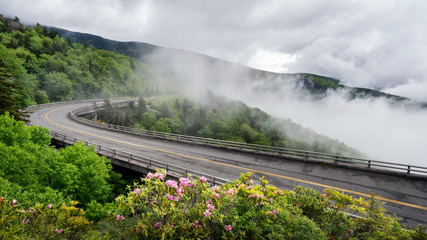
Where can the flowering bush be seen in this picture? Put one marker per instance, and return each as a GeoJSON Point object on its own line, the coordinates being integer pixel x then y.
{"type": "Point", "coordinates": [186, 208]}
{"type": "Point", "coordinates": [48, 222]}
{"type": "Point", "coordinates": [190, 208]}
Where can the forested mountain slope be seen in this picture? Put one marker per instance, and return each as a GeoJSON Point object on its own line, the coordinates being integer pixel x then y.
{"type": "Point", "coordinates": [149, 53]}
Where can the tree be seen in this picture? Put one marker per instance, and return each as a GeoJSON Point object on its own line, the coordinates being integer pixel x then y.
{"type": "Point", "coordinates": [141, 107]}
{"type": "Point", "coordinates": [9, 95]}
{"type": "Point", "coordinates": [83, 174]}
{"type": "Point", "coordinates": [148, 119]}
{"type": "Point", "coordinates": [161, 126]}
{"type": "Point", "coordinates": [58, 87]}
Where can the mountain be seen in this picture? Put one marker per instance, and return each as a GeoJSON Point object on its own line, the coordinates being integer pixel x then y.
{"type": "Point", "coordinates": [316, 85]}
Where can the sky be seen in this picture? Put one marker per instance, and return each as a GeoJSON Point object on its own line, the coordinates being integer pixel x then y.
{"type": "Point", "coordinates": [379, 44]}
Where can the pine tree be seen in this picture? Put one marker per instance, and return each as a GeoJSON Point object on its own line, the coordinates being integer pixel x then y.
{"type": "Point", "coordinates": [9, 95]}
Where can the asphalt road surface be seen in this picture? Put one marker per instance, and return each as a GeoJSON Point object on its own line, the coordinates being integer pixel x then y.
{"type": "Point", "coordinates": [405, 197]}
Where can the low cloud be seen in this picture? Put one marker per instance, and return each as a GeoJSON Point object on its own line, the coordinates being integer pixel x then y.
{"type": "Point", "coordinates": [376, 126]}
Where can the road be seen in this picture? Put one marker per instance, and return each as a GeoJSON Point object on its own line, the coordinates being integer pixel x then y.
{"type": "Point", "coordinates": [405, 197]}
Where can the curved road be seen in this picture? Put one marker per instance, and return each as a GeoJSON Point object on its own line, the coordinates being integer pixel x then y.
{"type": "Point", "coordinates": [407, 198]}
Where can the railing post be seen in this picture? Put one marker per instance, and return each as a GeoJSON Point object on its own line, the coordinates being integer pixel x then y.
{"type": "Point", "coordinates": [99, 148]}
{"type": "Point", "coordinates": [409, 169]}
{"type": "Point", "coordinates": [306, 155]}
{"type": "Point", "coordinates": [130, 158]}
{"type": "Point", "coordinates": [113, 153]}
{"type": "Point", "coordinates": [213, 181]}
{"type": "Point", "coordinates": [167, 167]}
{"type": "Point", "coordinates": [149, 163]}
{"type": "Point", "coordinates": [186, 173]}
{"type": "Point", "coordinates": [369, 164]}
{"type": "Point", "coordinates": [336, 159]}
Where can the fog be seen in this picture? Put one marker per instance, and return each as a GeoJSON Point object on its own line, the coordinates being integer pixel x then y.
{"type": "Point", "coordinates": [377, 44]}
{"type": "Point", "coordinates": [377, 127]}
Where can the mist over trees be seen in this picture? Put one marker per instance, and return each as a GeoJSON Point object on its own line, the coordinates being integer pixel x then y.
{"type": "Point", "coordinates": [216, 117]}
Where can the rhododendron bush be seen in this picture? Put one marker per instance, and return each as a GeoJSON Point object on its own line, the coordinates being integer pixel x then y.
{"type": "Point", "coordinates": [190, 208]}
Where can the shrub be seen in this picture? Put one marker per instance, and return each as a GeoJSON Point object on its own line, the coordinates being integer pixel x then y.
{"type": "Point", "coordinates": [46, 221]}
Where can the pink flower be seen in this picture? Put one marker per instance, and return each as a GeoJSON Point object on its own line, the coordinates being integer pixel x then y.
{"type": "Point", "coordinates": [179, 191]}
{"type": "Point", "coordinates": [157, 224]}
{"type": "Point", "coordinates": [351, 231]}
{"type": "Point", "coordinates": [49, 206]}
{"type": "Point", "coordinates": [231, 192]}
{"type": "Point", "coordinates": [58, 231]}
{"type": "Point", "coordinates": [154, 201]}
{"type": "Point", "coordinates": [250, 182]}
{"type": "Point", "coordinates": [137, 191]}
{"type": "Point", "coordinates": [22, 210]}
{"type": "Point", "coordinates": [202, 179]}
{"type": "Point", "coordinates": [172, 183]}
{"type": "Point", "coordinates": [25, 221]}
{"type": "Point", "coordinates": [158, 175]}
{"type": "Point", "coordinates": [119, 217]}
{"type": "Point", "coordinates": [14, 201]}
{"type": "Point", "coordinates": [216, 195]}
{"type": "Point", "coordinates": [216, 188]}
{"type": "Point", "coordinates": [149, 175]}
{"type": "Point", "coordinates": [210, 207]}
{"type": "Point", "coordinates": [227, 228]}
{"type": "Point", "coordinates": [207, 213]}
{"type": "Point", "coordinates": [185, 182]}
{"type": "Point", "coordinates": [170, 197]}
{"type": "Point", "coordinates": [196, 224]}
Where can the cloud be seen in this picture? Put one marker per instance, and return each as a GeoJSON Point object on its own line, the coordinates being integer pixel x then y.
{"type": "Point", "coordinates": [415, 88]}
{"type": "Point", "coordinates": [377, 44]}
{"type": "Point", "coordinates": [382, 130]}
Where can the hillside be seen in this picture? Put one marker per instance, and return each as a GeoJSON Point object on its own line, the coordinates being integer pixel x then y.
{"type": "Point", "coordinates": [314, 84]}
{"type": "Point", "coordinates": [219, 118]}
{"type": "Point", "coordinates": [49, 68]}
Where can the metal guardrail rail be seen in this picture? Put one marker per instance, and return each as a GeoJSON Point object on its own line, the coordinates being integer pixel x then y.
{"type": "Point", "coordinates": [148, 163]}
{"type": "Point", "coordinates": [324, 158]}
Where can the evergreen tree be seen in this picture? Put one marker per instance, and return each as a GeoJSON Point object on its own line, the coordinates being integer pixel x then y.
{"type": "Point", "coordinates": [9, 95]}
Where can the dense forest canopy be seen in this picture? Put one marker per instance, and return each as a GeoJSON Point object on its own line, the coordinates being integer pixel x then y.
{"type": "Point", "coordinates": [49, 68]}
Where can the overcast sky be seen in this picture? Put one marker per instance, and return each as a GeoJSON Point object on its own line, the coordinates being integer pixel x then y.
{"type": "Point", "coordinates": [365, 43]}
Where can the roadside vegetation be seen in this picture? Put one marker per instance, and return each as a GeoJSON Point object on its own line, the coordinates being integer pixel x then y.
{"type": "Point", "coordinates": [71, 194]}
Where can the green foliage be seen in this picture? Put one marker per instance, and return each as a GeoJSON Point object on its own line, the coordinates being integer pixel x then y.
{"type": "Point", "coordinates": [28, 198]}
{"type": "Point", "coordinates": [41, 221]}
{"type": "Point", "coordinates": [83, 174]}
{"type": "Point", "coordinates": [9, 94]}
{"type": "Point", "coordinates": [28, 161]}
{"type": "Point", "coordinates": [218, 118]}
{"type": "Point", "coordinates": [190, 209]}
{"type": "Point", "coordinates": [58, 86]}
{"type": "Point", "coordinates": [47, 66]}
